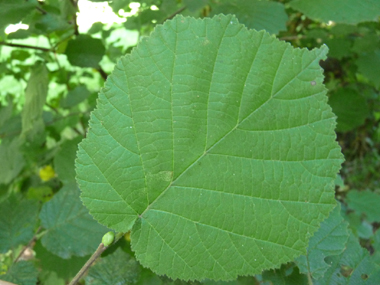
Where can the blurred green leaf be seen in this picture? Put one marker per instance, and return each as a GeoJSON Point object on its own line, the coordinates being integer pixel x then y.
{"type": "Point", "coordinates": [286, 275]}
{"type": "Point", "coordinates": [339, 47]}
{"type": "Point", "coordinates": [85, 51]}
{"type": "Point", "coordinates": [350, 107]}
{"type": "Point", "coordinates": [14, 11]}
{"type": "Point", "coordinates": [41, 193]}
{"type": "Point", "coordinates": [258, 15]}
{"type": "Point", "coordinates": [75, 96]}
{"type": "Point", "coordinates": [330, 239]}
{"type": "Point", "coordinates": [365, 202]}
{"type": "Point", "coordinates": [18, 218]}
{"type": "Point", "coordinates": [70, 228]}
{"type": "Point", "coordinates": [11, 159]}
{"type": "Point", "coordinates": [35, 98]}
{"type": "Point", "coordinates": [369, 66]}
{"type": "Point", "coordinates": [339, 11]}
{"type": "Point", "coordinates": [21, 273]}
{"type": "Point", "coordinates": [64, 268]}
{"type": "Point", "coordinates": [221, 161]}
{"type": "Point", "coordinates": [116, 268]}
{"type": "Point", "coordinates": [64, 160]}
{"type": "Point", "coordinates": [359, 227]}
{"type": "Point", "coordinates": [366, 44]}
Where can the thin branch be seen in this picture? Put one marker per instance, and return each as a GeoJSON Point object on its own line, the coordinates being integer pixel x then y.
{"type": "Point", "coordinates": [101, 248]}
{"type": "Point", "coordinates": [175, 13]}
{"type": "Point", "coordinates": [41, 10]}
{"type": "Point", "coordinates": [290, 38]}
{"type": "Point", "coordinates": [26, 46]}
{"type": "Point", "coordinates": [29, 245]}
{"type": "Point", "coordinates": [102, 73]}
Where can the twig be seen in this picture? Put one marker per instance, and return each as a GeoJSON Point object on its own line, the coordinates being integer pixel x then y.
{"type": "Point", "coordinates": [41, 10]}
{"type": "Point", "coordinates": [29, 244]}
{"type": "Point", "coordinates": [102, 73]}
{"type": "Point", "coordinates": [175, 13]}
{"type": "Point", "coordinates": [101, 248]}
{"type": "Point", "coordinates": [290, 38]}
{"type": "Point", "coordinates": [26, 46]}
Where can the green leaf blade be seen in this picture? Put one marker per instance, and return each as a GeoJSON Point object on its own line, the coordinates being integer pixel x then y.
{"type": "Point", "coordinates": [17, 222]}
{"type": "Point", "coordinates": [70, 229]}
{"type": "Point", "coordinates": [208, 131]}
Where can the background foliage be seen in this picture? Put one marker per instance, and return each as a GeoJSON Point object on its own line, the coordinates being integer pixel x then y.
{"type": "Point", "coordinates": [50, 74]}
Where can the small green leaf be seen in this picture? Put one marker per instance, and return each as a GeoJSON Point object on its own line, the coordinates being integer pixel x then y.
{"type": "Point", "coordinates": [85, 51]}
{"type": "Point", "coordinates": [215, 146]}
{"type": "Point", "coordinates": [258, 15]}
{"type": "Point", "coordinates": [350, 107]}
{"type": "Point", "coordinates": [21, 273]}
{"type": "Point", "coordinates": [365, 202]}
{"type": "Point", "coordinates": [116, 268]}
{"type": "Point", "coordinates": [17, 221]}
{"type": "Point", "coordinates": [108, 239]}
{"type": "Point", "coordinates": [330, 239]}
{"type": "Point", "coordinates": [70, 228]}
{"type": "Point", "coordinates": [339, 11]}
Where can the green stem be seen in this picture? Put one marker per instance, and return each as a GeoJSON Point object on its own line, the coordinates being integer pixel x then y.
{"type": "Point", "coordinates": [101, 248]}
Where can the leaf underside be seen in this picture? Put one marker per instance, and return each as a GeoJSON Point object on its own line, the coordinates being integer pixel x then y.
{"type": "Point", "coordinates": [215, 145]}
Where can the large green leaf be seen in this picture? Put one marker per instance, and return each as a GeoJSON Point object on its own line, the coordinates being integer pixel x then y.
{"type": "Point", "coordinates": [340, 11]}
{"type": "Point", "coordinates": [70, 228]}
{"type": "Point", "coordinates": [255, 14]}
{"type": "Point", "coordinates": [216, 146]}
{"type": "Point", "coordinates": [329, 240]}
{"type": "Point", "coordinates": [17, 221]}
